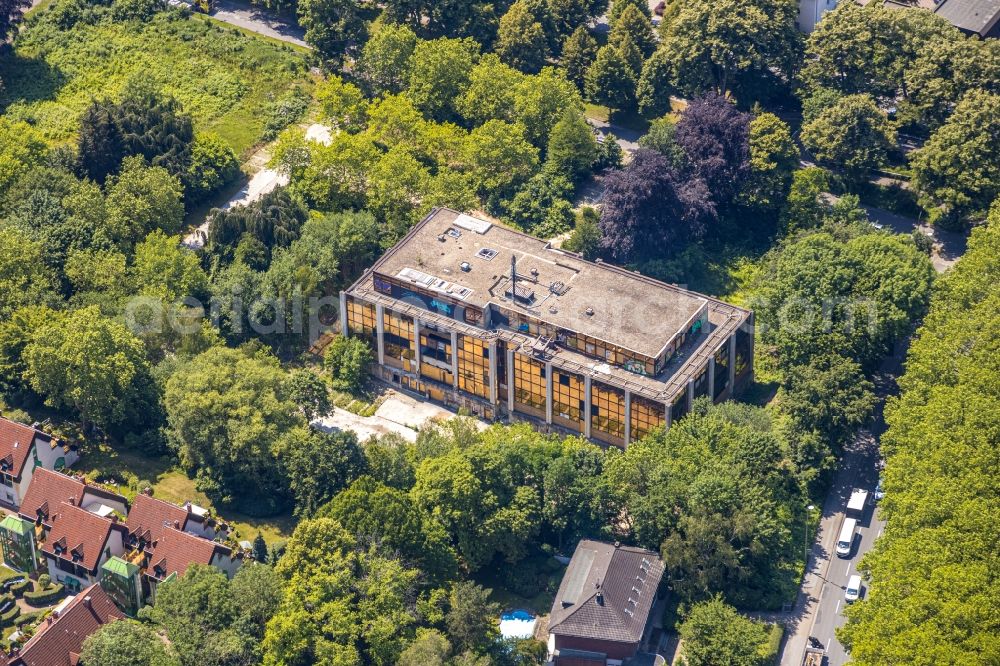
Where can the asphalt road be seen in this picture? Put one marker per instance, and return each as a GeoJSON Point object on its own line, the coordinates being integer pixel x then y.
{"type": "Point", "coordinates": [829, 611]}
{"type": "Point", "coordinates": [258, 20]}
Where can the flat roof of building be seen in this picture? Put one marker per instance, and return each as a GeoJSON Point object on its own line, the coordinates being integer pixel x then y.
{"type": "Point", "coordinates": [469, 260]}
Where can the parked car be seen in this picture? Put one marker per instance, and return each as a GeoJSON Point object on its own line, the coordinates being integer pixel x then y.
{"type": "Point", "coordinates": [845, 542]}
{"type": "Point", "coordinates": [853, 592]}
{"type": "Point", "coordinates": [879, 493]}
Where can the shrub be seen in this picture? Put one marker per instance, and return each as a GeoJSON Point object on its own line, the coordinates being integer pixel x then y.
{"type": "Point", "coordinates": [44, 581]}
{"type": "Point", "coordinates": [18, 589]}
{"type": "Point", "coordinates": [8, 618]}
{"type": "Point", "coordinates": [41, 598]}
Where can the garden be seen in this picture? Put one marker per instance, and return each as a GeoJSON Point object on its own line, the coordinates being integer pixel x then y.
{"type": "Point", "coordinates": [235, 85]}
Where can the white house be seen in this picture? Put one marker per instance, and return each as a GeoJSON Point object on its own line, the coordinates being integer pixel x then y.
{"type": "Point", "coordinates": [811, 11]}
{"type": "Point", "coordinates": [23, 449]}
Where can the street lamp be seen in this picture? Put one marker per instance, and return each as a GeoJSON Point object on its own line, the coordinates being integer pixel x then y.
{"type": "Point", "coordinates": [805, 538]}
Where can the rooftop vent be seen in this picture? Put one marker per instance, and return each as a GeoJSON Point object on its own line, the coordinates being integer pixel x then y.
{"type": "Point", "coordinates": [558, 288]}
{"type": "Point", "coordinates": [465, 266]}
{"type": "Point", "coordinates": [454, 233]}
{"type": "Point", "coordinates": [521, 293]}
{"type": "Point", "coordinates": [441, 238]}
{"type": "Point", "coordinates": [486, 253]}
{"type": "Point", "coordinates": [590, 312]}
{"type": "Point", "coordinates": [553, 309]}
{"type": "Point", "coordinates": [534, 272]}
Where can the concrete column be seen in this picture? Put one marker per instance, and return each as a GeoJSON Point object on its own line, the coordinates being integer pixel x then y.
{"type": "Point", "coordinates": [380, 332]}
{"type": "Point", "coordinates": [548, 393]}
{"type": "Point", "coordinates": [416, 345]}
{"type": "Point", "coordinates": [628, 417]}
{"type": "Point", "coordinates": [510, 380]}
{"type": "Point", "coordinates": [454, 360]}
{"type": "Point", "coordinates": [587, 385]}
{"type": "Point", "coordinates": [732, 364]}
{"type": "Point", "coordinates": [343, 314]}
{"type": "Point", "coordinates": [668, 415]}
{"type": "Point", "coordinates": [711, 377]}
{"type": "Point", "coordinates": [494, 380]}
{"type": "Point", "coordinates": [690, 394]}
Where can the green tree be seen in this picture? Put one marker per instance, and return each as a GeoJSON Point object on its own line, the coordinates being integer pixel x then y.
{"type": "Point", "coordinates": [429, 648]}
{"type": "Point", "coordinates": [804, 208]}
{"type": "Point", "coordinates": [213, 165]}
{"type": "Point", "coordinates": [439, 74]}
{"type": "Point", "coordinates": [343, 104]}
{"type": "Point", "coordinates": [957, 172]}
{"type": "Point", "coordinates": [471, 617]}
{"type": "Point", "coordinates": [853, 135]}
{"type": "Point", "coordinates": [610, 80]}
{"type": "Point", "coordinates": [521, 40]}
{"type": "Point", "coordinates": [143, 198]}
{"type": "Point", "coordinates": [24, 277]}
{"type": "Point", "coordinates": [260, 548]}
{"type": "Point", "coordinates": [126, 643]}
{"type": "Point", "coordinates": [732, 45]}
{"type": "Point", "coordinates": [773, 158]}
{"type": "Point", "coordinates": [21, 147]}
{"type": "Point", "coordinates": [655, 84]}
{"type": "Point", "coordinates": [333, 27]}
{"type": "Point", "coordinates": [310, 393]}
{"type": "Point", "coordinates": [634, 24]}
{"type": "Point", "coordinates": [856, 50]}
{"type": "Point", "coordinates": [164, 269]}
{"type": "Point", "coordinates": [319, 465]}
{"type": "Point", "coordinates": [499, 157]}
{"type": "Point", "coordinates": [578, 53]}
{"type": "Point", "coordinates": [491, 91]}
{"type": "Point", "coordinates": [540, 101]}
{"type": "Point", "coordinates": [228, 411]}
{"type": "Point", "coordinates": [16, 332]}
{"type": "Point", "coordinates": [213, 621]}
{"type": "Point", "coordinates": [572, 148]}
{"type": "Point", "coordinates": [90, 364]}
{"type": "Point", "coordinates": [347, 360]}
{"type": "Point", "coordinates": [385, 59]}
{"type": "Point", "coordinates": [586, 236]}
{"type": "Point", "coordinates": [714, 634]}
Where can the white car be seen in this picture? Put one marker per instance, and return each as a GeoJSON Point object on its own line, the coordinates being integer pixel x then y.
{"type": "Point", "coordinates": [879, 493]}
{"type": "Point", "coordinates": [853, 592]}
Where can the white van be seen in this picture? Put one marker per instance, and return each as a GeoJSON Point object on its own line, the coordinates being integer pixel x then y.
{"type": "Point", "coordinates": [853, 592]}
{"type": "Point", "coordinates": [845, 541]}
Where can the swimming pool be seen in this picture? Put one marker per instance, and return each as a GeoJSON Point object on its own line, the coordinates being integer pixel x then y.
{"type": "Point", "coordinates": [517, 623]}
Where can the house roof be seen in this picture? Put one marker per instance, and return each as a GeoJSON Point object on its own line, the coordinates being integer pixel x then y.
{"type": "Point", "coordinates": [148, 517]}
{"type": "Point", "coordinates": [16, 440]}
{"type": "Point", "coordinates": [174, 550]}
{"type": "Point", "coordinates": [49, 489]}
{"type": "Point", "coordinates": [77, 535]}
{"type": "Point", "coordinates": [606, 592]}
{"type": "Point", "coordinates": [976, 16]}
{"type": "Point", "coordinates": [59, 641]}
{"type": "Point", "coordinates": [17, 525]}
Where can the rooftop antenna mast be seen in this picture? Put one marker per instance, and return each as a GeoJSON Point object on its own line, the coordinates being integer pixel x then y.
{"type": "Point", "coordinates": [513, 276]}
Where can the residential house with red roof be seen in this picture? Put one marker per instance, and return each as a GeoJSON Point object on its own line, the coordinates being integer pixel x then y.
{"type": "Point", "coordinates": [78, 543]}
{"type": "Point", "coordinates": [23, 449]}
{"type": "Point", "coordinates": [58, 641]}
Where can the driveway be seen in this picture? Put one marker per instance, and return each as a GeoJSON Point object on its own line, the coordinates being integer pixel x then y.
{"type": "Point", "coordinates": [260, 21]}
{"type": "Point", "coordinates": [627, 138]}
{"type": "Point", "coordinates": [399, 413]}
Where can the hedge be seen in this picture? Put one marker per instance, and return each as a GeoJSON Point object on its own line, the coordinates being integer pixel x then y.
{"type": "Point", "coordinates": [10, 616]}
{"type": "Point", "coordinates": [44, 597]}
{"type": "Point", "coordinates": [18, 589]}
{"type": "Point", "coordinates": [28, 618]}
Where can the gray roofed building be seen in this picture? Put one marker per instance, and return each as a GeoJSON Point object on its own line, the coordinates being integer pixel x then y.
{"type": "Point", "coordinates": [601, 610]}
{"type": "Point", "coordinates": [977, 17]}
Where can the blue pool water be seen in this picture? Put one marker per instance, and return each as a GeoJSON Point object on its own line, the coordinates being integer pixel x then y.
{"type": "Point", "coordinates": [522, 615]}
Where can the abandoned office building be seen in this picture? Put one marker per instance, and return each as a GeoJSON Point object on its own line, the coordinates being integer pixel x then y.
{"type": "Point", "coordinates": [475, 315]}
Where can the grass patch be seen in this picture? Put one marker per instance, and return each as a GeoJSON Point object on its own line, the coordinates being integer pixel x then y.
{"type": "Point", "coordinates": [512, 589]}
{"type": "Point", "coordinates": [132, 471]}
{"type": "Point", "coordinates": [597, 112]}
{"type": "Point", "coordinates": [226, 79]}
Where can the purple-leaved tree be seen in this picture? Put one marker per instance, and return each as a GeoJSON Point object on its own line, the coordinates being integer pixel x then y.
{"type": "Point", "coordinates": [715, 137]}
{"type": "Point", "coordinates": [649, 209]}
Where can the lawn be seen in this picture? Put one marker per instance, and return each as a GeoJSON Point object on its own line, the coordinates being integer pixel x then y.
{"type": "Point", "coordinates": [132, 471]}
{"type": "Point", "coordinates": [230, 81]}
